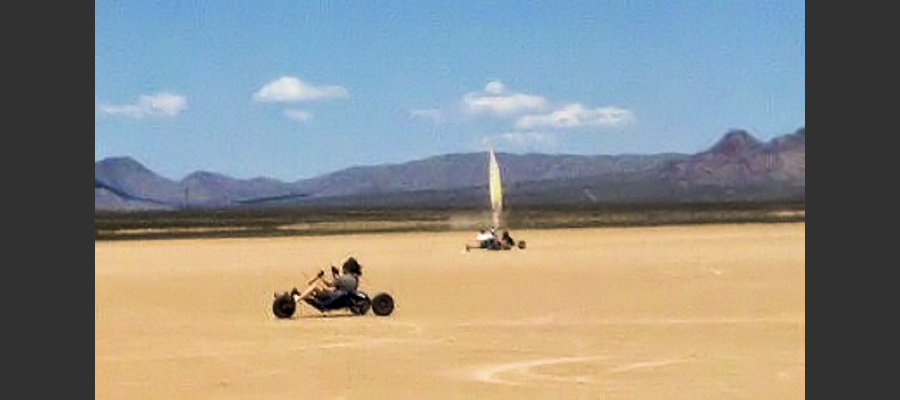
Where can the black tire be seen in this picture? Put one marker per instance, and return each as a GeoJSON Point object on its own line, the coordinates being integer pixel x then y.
{"type": "Point", "coordinates": [382, 304]}
{"type": "Point", "coordinates": [360, 307]}
{"type": "Point", "coordinates": [521, 244]}
{"type": "Point", "coordinates": [284, 306]}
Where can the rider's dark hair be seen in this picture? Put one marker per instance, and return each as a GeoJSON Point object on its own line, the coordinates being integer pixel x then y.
{"type": "Point", "coordinates": [352, 266]}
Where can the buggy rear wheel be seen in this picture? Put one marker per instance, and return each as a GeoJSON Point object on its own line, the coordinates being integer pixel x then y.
{"type": "Point", "coordinates": [521, 244]}
{"type": "Point", "coordinates": [382, 304]}
{"type": "Point", "coordinates": [284, 306]}
{"type": "Point", "coordinates": [360, 307]}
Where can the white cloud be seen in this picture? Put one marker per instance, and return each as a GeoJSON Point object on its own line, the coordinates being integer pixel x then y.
{"type": "Point", "coordinates": [291, 89]}
{"type": "Point", "coordinates": [495, 99]}
{"type": "Point", "coordinates": [298, 115]}
{"type": "Point", "coordinates": [494, 87]}
{"type": "Point", "coordinates": [148, 105]}
{"type": "Point", "coordinates": [576, 115]}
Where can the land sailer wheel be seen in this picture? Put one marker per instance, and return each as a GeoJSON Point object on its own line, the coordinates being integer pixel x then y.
{"type": "Point", "coordinates": [382, 304]}
{"type": "Point", "coordinates": [521, 244]}
{"type": "Point", "coordinates": [284, 306]}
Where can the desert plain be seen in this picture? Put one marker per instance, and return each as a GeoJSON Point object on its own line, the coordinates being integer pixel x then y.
{"type": "Point", "coordinates": [713, 311]}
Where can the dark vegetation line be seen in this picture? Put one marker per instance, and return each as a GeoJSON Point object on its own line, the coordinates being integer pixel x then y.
{"type": "Point", "coordinates": [262, 200]}
{"type": "Point", "coordinates": [98, 184]}
{"type": "Point", "coordinates": [123, 194]}
{"type": "Point", "coordinates": [274, 222]}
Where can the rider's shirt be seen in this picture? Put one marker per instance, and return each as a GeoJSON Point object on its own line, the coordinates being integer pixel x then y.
{"type": "Point", "coordinates": [346, 283]}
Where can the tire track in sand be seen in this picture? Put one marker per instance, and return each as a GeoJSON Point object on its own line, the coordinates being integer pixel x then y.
{"type": "Point", "coordinates": [523, 372]}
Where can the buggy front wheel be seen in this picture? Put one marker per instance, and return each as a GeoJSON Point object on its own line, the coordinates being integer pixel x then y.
{"type": "Point", "coordinates": [382, 304]}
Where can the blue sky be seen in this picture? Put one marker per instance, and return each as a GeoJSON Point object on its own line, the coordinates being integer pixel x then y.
{"type": "Point", "coordinates": [295, 89]}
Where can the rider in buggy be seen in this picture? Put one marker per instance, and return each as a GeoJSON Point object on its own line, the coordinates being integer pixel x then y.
{"type": "Point", "coordinates": [341, 292]}
{"type": "Point", "coordinates": [490, 241]}
{"type": "Point", "coordinates": [342, 284]}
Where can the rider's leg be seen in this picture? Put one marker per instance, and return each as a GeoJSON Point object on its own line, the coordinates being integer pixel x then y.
{"type": "Point", "coordinates": [309, 290]}
{"type": "Point", "coordinates": [331, 297]}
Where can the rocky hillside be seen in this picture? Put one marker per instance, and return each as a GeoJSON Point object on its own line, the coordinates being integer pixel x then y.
{"type": "Point", "coordinates": [736, 168]}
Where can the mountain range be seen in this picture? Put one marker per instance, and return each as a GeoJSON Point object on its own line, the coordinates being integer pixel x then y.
{"type": "Point", "coordinates": [738, 167]}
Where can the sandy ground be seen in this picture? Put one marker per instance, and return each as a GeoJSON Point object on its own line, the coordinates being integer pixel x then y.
{"type": "Point", "coordinates": [690, 312]}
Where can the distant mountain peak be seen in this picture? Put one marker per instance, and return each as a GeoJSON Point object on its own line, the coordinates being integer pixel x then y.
{"type": "Point", "coordinates": [791, 142]}
{"type": "Point", "coordinates": [205, 176]}
{"type": "Point", "coordinates": [122, 163]}
{"type": "Point", "coordinates": [734, 142]}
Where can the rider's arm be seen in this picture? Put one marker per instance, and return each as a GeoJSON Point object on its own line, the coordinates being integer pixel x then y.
{"type": "Point", "coordinates": [334, 276]}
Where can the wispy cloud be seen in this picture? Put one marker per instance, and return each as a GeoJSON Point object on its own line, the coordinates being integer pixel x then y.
{"type": "Point", "coordinates": [521, 140]}
{"type": "Point", "coordinates": [298, 115]}
{"type": "Point", "coordinates": [433, 116]}
{"type": "Point", "coordinates": [538, 132]}
{"type": "Point", "coordinates": [576, 115]}
{"type": "Point", "coordinates": [160, 104]}
{"type": "Point", "coordinates": [428, 114]}
{"type": "Point", "coordinates": [496, 99]}
{"type": "Point", "coordinates": [291, 89]}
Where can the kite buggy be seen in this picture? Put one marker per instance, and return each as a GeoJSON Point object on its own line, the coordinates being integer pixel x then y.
{"type": "Point", "coordinates": [340, 293]}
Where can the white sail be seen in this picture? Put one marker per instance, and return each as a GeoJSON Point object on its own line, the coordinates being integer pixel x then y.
{"type": "Point", "coordinates": [496, 189]}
